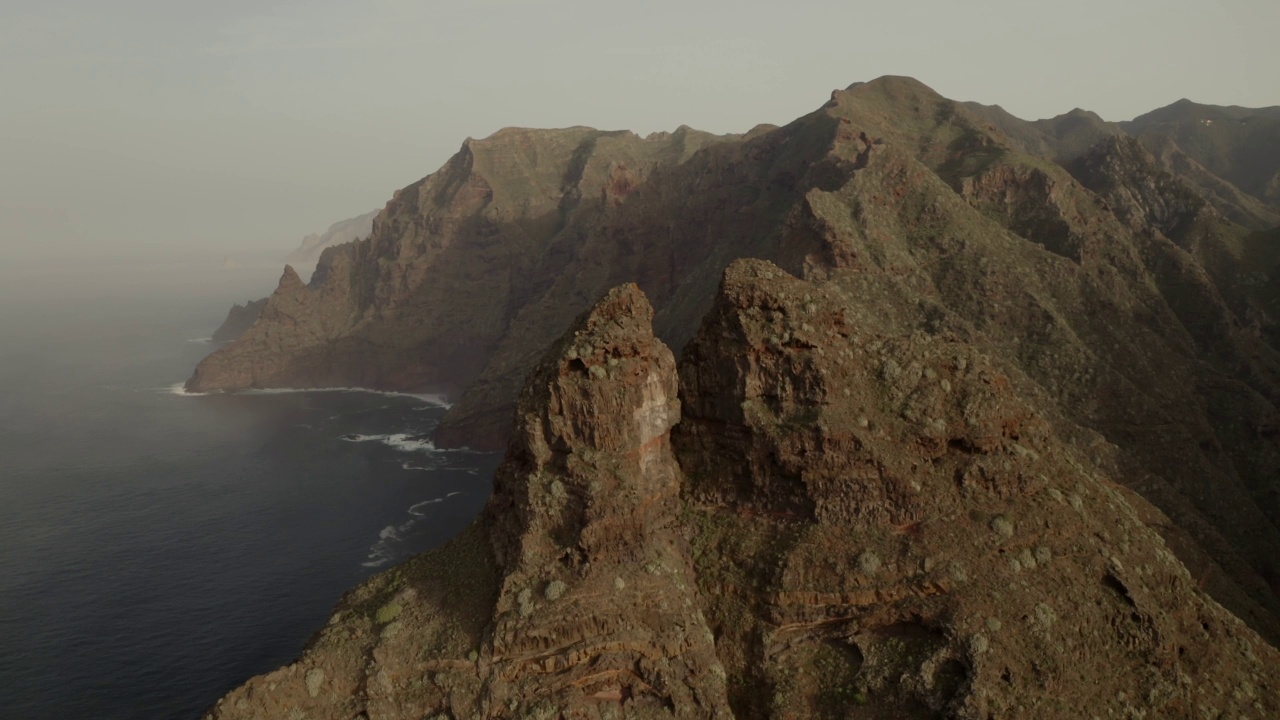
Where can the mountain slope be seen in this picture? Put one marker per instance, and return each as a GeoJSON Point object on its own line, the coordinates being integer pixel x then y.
{"type": "Point", "coordinates": [865, 521]}
{"type": "Point", "coordinates": [1137, 309]}
{"type": "Point", "coordinates": [1239, 145]}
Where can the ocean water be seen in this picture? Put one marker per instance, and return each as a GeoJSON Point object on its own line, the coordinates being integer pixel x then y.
{"type": "Point", "coordinates": [157, 549]}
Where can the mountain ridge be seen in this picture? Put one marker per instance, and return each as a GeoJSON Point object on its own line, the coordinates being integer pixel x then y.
{"type": "Point", "coordinates": [1239, 145]}
{"type": "Point", "coordinates": [1066, 250]}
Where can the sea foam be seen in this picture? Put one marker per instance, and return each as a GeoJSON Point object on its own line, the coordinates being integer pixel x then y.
{"type": "Point", "coordinates": [434, 401]}
{"type": "Point", "coordinates": [419, 509]}
{"type": "Point", "coordinates": [384, 550]}
{"type": "Point", "coordinates": [400, 441]}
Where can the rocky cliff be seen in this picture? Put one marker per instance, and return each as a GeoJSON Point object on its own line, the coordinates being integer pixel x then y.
{"type": "Point", "coordinates": [857, 520]}
{"type": "Point", "coordinates": [239, 319]}
{"type": "Point", "coordinates": [312, 246]}
{"type": "Point", "coordinates": [1130, 302]}
{"type": "Point", "coordinates": [458, 267]}
{"type": "Point", "coordinates": [475, 266]}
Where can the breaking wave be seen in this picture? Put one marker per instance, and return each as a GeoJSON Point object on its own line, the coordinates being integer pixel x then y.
{"type": "Point", "coordinates": [400, 441]}
{"type": "Point", "coordinates": [384, 550]}
{"type": "Point", "coordinates": [419, 509]}
{"type": "Point", "coordinates": [433, 401]}
{"type": "Point", "coordinates": [436, 401]}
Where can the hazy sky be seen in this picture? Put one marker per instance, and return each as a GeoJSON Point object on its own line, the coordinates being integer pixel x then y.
{"type": "Point", "coordinates": [153, 126]}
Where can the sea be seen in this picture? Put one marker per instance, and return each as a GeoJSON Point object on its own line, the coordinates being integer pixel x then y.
{"type": "Point", "coordinates": [158, 548]}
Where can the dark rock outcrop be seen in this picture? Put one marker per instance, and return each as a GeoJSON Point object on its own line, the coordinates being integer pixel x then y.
{"type": "Point", "coordinates": [239, 319]}
{"type": "Point", "coordinates": [284, 320]}
{"type": "Point", "coordinates": [869, 522]}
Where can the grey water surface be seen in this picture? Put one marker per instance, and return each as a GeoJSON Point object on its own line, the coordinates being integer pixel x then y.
{"type": "Point", "coordinates": [157, 549]}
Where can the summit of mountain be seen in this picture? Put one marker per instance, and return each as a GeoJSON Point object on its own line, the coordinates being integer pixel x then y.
{"type": "Point", "coordinates": [1239, 145]}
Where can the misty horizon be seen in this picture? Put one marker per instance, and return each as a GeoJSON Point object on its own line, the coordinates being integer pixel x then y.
{"type": "Point", "coordinates": [154, 128]}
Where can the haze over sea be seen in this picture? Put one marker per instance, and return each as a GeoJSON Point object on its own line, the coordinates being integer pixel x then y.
{"type": "Point", "coordinates": [158, 549]}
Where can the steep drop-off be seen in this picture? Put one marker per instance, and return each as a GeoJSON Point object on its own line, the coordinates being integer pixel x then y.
{"type": "Point", "coordinates": [865, 521]}
{"type": "Point", "coordinates": [1064, 251]}
{"type": "Point", "coordinates": [344, 231]}
{"type": "Point", "coordinates": [452, 260]}
{"type": "Point", "coordinates": [239, 319]}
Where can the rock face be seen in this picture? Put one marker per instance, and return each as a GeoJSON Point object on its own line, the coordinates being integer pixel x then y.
{"type": "Point", "coordinates": [239, 319]}
{"type": "Point", "coordinates": [891, 529]}
{"type": "Point", "coordinates": [462, 269]}
{"type": "Point", "coordinates": [584, 522]}
{"type": "Point", "coordinates": [344, 231]}
{"type": "Point", "coordinates": [864, 522]}
{"type": "Point", "coordinates": [289, 307]}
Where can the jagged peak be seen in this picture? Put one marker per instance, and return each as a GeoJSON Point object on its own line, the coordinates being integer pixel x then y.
{"type": "Point", "coordinates": [603, 396]}
{"type": "Point", "coordinates": [290, 280]}
{"type": "Point", "coordinates": [604, 368]}
{"type": "Point", "coordinates": [759, 279]}
{"type": "Point", "coordinates": [622, 315]}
